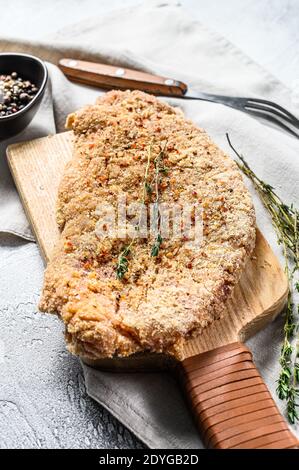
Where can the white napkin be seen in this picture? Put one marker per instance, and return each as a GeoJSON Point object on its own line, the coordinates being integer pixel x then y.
{"type": "Point", "coordinates": [159, 37]}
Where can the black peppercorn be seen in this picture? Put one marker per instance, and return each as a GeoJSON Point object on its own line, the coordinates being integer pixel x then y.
{"type": "Point", "coordinates": [24, 97]}
{"type": "Point", "coordinates": [15, 93]}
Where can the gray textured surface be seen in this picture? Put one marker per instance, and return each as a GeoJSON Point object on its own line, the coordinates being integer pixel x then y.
{"type": "Point", "coordinates": [43, 402]}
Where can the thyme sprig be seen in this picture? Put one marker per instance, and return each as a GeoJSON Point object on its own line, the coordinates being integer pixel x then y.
{"type": "Point", "coordinates": [148, 188]}
{"type": "Point", "coordinates": [160, 168]}
{"type": "Point", "coordinates": [285, 220]}
{"type": "Point", "coordinates": [122, 266]}
{"type": "Point", "coordinates": [156, 246]}
{"type": "Point", "coordinates": [123, 263]}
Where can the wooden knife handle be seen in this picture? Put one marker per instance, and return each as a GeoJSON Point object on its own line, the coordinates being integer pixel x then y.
{"type": "Point", "coordinates": [230, 402]}
{"type": "Point", "coordinates": [108, 76]}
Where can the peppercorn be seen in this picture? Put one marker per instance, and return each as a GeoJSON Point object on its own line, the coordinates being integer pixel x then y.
{"type": "Point", "coordinates": [15, 93]}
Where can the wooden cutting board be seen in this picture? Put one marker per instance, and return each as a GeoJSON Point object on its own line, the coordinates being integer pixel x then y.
{"type": "Point", "coordinates": [228, 397]}
{"type": "Point", "coordinates": [37, 166]}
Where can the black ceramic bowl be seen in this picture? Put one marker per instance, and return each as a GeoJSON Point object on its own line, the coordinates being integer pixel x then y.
{"type": "Point", "coordinates": [29, 68]}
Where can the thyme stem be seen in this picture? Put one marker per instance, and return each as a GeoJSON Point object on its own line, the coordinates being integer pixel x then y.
{"type": "Point", "coordinates": [285, 221]}
{"type": "Point", "coordinates": [159, 168]}
{"type": "Point", "coordinates": [123, 262]}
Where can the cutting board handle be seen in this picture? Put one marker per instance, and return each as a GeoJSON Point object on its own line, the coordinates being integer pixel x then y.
{"type": "Point", "coordinates": [109, 76]}
{"type": "Point", "coordinates": [230, 402]}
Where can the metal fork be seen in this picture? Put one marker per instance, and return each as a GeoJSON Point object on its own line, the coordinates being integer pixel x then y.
{"type": "Point", "coordinates": [109, 76]}
{"type": "Point", "coordinates": [257, 107]}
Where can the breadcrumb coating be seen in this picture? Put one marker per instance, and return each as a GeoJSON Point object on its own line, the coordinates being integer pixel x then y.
{"type": "Point", "coordinates": [161, 300]}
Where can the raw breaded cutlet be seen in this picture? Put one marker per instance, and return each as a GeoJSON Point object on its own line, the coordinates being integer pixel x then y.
{"type": "Point", "coordinates": [161, 299]}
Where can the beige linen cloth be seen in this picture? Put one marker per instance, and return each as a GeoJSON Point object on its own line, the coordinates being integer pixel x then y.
{"type": "Point", "coordinates": [158, 37]}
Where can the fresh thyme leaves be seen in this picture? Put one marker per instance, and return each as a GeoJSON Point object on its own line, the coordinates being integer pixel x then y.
{"type": "Point", "coordinates": [123, 263]}
{"type": "Point", "coordinates": [122, 266]}
{"type": "Point", "coordinates": [159, 168]}
{"type": "Point", "coordinates": [285, 218]}
{"type": "Point", "coordinates": [148, 189]}
{"type": "Point", "coordinates": [292, 405]}
{"type": "Point", "coordinates": [286, 224]}
{"type": "Point", "coordinates": [156, 246]}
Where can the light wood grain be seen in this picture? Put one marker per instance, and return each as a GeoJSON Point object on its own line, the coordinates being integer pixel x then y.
{"type": "Point", "coordinates": [258, 298]}
{"type": "Point", "coordinates": [37, 167]}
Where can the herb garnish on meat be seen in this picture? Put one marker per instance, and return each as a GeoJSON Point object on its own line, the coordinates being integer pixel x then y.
{"type": "Point", "coordinates": [147, 191]}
